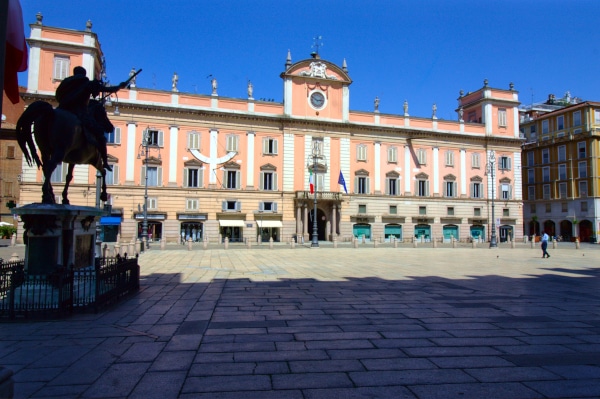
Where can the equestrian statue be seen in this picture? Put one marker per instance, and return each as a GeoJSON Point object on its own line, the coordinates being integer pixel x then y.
{"type": "Point", "coordinates": [72, 133]}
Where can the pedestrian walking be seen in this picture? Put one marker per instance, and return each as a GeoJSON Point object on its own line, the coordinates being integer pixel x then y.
{"type": "Point", "coordinates": [545, 253]}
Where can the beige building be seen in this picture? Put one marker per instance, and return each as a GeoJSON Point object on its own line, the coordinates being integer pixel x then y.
{"type": "Point", "coordinates": [240, 168]}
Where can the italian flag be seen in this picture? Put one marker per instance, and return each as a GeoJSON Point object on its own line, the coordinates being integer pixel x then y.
{"type": "Point", "coordinates": [311, 181]}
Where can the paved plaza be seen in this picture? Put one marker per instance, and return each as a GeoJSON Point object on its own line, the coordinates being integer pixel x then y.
{"type": "Point", "coordinates": [328, 323]}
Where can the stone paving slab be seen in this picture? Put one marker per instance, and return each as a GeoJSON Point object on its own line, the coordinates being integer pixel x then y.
{"type": "Point", "coordinates": [328, 323]}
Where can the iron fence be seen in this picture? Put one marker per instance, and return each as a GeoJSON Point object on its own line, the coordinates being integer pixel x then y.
{"type": "Point", "coordinates": [65, 290]}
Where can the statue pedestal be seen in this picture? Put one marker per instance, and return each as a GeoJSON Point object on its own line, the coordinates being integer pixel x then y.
{"type": "Point", "coordinates": [58, 236]}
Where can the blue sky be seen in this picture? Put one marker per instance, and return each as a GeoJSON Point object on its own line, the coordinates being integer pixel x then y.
{"type": "Point", "coordinates": [421, 51]}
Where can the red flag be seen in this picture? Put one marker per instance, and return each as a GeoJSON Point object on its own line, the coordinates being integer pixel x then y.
{"type": "Point", "coordinates": [16, 50]}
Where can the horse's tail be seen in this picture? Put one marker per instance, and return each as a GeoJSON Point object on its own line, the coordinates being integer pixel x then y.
{"type": "Point", "coordinates": [24, 133]}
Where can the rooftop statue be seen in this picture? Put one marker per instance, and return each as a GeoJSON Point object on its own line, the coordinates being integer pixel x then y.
{"type": "Point", "coordinates": [72, 133]}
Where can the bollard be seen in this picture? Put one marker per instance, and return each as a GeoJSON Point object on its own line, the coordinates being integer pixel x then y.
{"type": "Point", "coordinates": [226, 243]}
{"type": "Point", "coordinates": [189, 244]}
{"type": "Point", "coordinates": [355, 242]}
{"type": "Point", "coordinates": [454, 242]}
{"type": "Point", "coordinates": [14, 257]}
{"type": "Point", "coordinates": [293, 243]}
{"type": "Point", "coordinates": [117, 249]}
{"type": "Point", "coordinates": [434, 242]}
{"type": "Point", "coordinates": [335, 242]}
{"type": "Point", "coordinates": [138, 246]}
{"type": "Point", "coordinates": [525, 239]}
{"type": "Point", "coordinates": [395, 242]}
{"type": "Point", "coordinates": [105, 250]}
{"type": "Point", "coordinates": [270, 242]}
{"type": "Point", "coordinates": [513, 243]}
{"type": "Point", "coordinates": [474, 243]}
{"type": "Point", "coordinates": [375, 243]}
{"type": "Point", "coordinates": [205, 243]}
{"type": "Point", "coordinates": [13, 240]}
{"type": "Point", "coordinates": [532, 244]}
{"type": "Point", "coordinates": [414, 242]}
{"type": "Point", "coordinates": [577, 244]}
{"type": "Point", "coordinates": [163, 243]}
{"type": "Point", "coordinates": [554, 244]}
{"type": "Point", "coordinates": [132, 247]}
{"type": "Point", "coordinates": [248, 243]}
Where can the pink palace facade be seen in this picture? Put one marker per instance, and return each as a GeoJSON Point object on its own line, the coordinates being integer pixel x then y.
{"type": "Point", "coordinates": [239, 167]}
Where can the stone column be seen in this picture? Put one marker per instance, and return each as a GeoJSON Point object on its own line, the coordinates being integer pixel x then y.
{"type": "Point", "coordinates": [298, 221]}
{"type": "Point", "coordinates": [334, 221]}
{"type": "Point", "coordinates": [305, 227]}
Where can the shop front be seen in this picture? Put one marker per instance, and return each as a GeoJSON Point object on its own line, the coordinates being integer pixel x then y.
{"type": "Point", "coordinates": [110, 227]}
{"type": "Point", "coordinates": [233, 229]}
{"type": "Point", "coordinates": [477, 233]}
{"type": "Point", "coordinates": [450, 232]}
{"type": "Point", "coordinates": [423, 232]}
{"type": "Point", "coordinates": [192, 227]}
{"type": "Point", "coordinates": [155, 225]}
{"type": "Point", "coordinates": [359, 230]}
{"type": "Point", "coordinates": [268, 229]}
{"type": "Point", "coordinates": [392, 230]}
{"type": "Point", "coordinates": [506, 233]}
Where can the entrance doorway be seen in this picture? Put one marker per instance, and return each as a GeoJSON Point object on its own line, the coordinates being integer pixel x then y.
{"type": "Point", "coordinates": [449, 232]}
{"type": "Point", "coordinates": [234, 233]}
{"type": "Point", "coordinates": [154, 230]}
{"type": "Point", "coordinates": [423, 231]}
{"type": "Point", "coordinates": [477, 233]}
{"type": "Point", "coordinates": [392, 230]}
{"type": "Point", "coordinates": [191, 230]}
{"type": "Point", "coordinates": [359, 229]}
{"type": "Point", "coordinates": [321, 224]}
{"type": "Point", "coordinates": [506, 233]}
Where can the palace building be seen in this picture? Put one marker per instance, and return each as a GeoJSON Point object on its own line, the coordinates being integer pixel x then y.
{"type": "Point", "coordinates": [241, 168]}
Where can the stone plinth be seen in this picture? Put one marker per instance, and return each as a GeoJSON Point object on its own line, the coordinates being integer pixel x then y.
{"type": "Point", "coordinates": [58, 236]}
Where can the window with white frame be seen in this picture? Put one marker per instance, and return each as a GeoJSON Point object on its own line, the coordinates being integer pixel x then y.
{"type": "Point", "coordinates": [155, 137]}
{"type": "Point", "coordinates": [582, 169]}
{"type": "Point", "coordinates": [193, 140]}
{"type": "Point", "coordinates": [533, 132]}
{"type": "Point", "coordinates": [193, 175]}
{"type": "Point", "coordinates": [562, 171]}
{"type": "Point", "coordinates": [362, 208]}
{"type": "Point", "coordinates": [545, 128]}
{"type": "Point", "coordinates": [476, 187]}
{"type": "Point", "coordinates": [191, 204]}
{"type": "Point", "coordinates": [505, 163]}
{"type": "Point", "coordinates": [422, 156]}
{"type": "Point", "coordinates": [231, 179]}
{"type": "Point", "coordinates": [61, 68]}
{"type": "Point", "coordinates": [450, 211]}
{"type": "Point", "coordinates": [562, 190]}
{"type": "Point", "coordinates": [476, 160]}
{"type": "Point", "coordinates": [531, 193]}
{"type": "Point", "coordinates": [152, 203]}
{"type": "Point", "coordinates": [502, 117]}
{"type": "Point", "coordinates": [450, 186]}
{"type": "Point", "coordinates": [505, 190]}
{"type": "Point", "coordinates": [232, 142]}
{"type": "Point", "coordinates": [392, 183]}
{"type": "Point", "coordinates": [361, 184]}
{"type": "Point", "coordinates": [113, 137]}
{"type": "Point", "coordinates": [545, 155]}
{"type": "Point", "coordinates": [112, 176]}
{"type": "Point", "coordinates": [449, 158]}
{"type": "Point", "coordinates": [546, 174]}
{"type": "Point", "coordinates": [422, 185]}
{"type": "Point", "coordinates": [583, 189]}
{"type": "Point", "coordinates": [581, 150]}
{"type": "Point", "coordinates": [546, 191]}
{"type": "Point", "coordinates": [269, 146]}
{"type": "Point", "coordinates": [564, 206]}
{"type": "Point", "coordinates": [59, 174]}
{"type": "Point", "coordinates": [267, 206]}
{"type": "Point", "coordinates": [154, 175]}
{"type": "Point", "coordinates": [577, 118]}
{"type": "Point", "coordinates": [392, 154]}
{"type": "Point", "coordinates": [562, 153]}
{"type": "Point", "coordinates": [560, 122]}
{"type": "Point", "coordinates": [476, 211]}
{"type": "Point", "coordinates": [361, 152]}
{"type": "Point", "coordinates": [531, 175]}
{"type": "Point", "coordinates": [268, 178]}
{"type": "Point", "coordinates": [530, 159]}
{"type": "Point", "coordinates": [231, 206]}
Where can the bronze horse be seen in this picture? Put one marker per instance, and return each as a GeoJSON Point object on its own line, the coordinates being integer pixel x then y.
{"type": "Point", "coordinates": [60, 138]}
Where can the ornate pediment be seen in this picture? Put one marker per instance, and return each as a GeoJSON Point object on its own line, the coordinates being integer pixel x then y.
{"type": "Point", "coordinates": [450, 177]}
{"type": "Point", "coordinates": [193, 163]}
{"type": "Point", "coordinates": [268, 166]}
{"type": "Point", "coordinates": [362, 172]}
{"type": "Point", "coordinates": [476, 179]}
{"type": "Point", "coordinates": [422, 176]}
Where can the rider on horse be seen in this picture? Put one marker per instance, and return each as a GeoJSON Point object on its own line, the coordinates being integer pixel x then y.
{"type": "Point", "coordinates": [73, 94]}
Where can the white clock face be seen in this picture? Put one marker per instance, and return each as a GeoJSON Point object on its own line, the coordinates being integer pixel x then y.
{"type": "Point", "coordinates": [317, 100]}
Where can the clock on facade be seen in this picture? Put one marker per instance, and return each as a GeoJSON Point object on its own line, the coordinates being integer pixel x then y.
{"type": "Point", "coordinates": [317, 100]}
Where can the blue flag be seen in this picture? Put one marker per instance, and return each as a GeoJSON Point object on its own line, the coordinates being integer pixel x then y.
{"type": "Point", "coordinates": [342, 182]}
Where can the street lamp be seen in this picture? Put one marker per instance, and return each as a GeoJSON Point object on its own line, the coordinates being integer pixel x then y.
{"type": "Point", "coordinates": [493, 240]}
{"type": "Point", "coordinates": [143, 150]}
{"type": "Point", "coordinates": [315, 233]}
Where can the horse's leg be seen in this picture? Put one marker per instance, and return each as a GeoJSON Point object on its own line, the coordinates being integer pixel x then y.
{"type": "Point", "coordinates": [48, 166]}
{"type": "Point", "coordinates": [103, 194]}
{"type": "Point", "coordinates": [65, 200]}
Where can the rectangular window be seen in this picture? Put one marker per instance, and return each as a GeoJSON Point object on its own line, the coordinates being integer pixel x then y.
{"type": "Point", "coordinates": [191, 177]}
{"type": "Point", "coordinates": [10, 152]}
{"type": "Point", "coordinates": [546, 192]}
{"type": "Point", "coordinates": [584, 206]}
{"type": "Point", "coordinates": [562, 172]}
{"type": "Point", "coordinates": [533, 131]}
{"type": "Point", "coordinates": [560, 122]}
{"type": "Point", "coordinates": [231, 206]}
{"type": "Point", "coordinates": [391, 186]}
{"type": "Point", "coordinates": [450, 189]}
{"type": "Point", "coordinates": [562, 153]}
{"type": "Point", "coordinates": [582, 169]}
{"type": "Point", "coordinates": [583, 190]}
{"type": "Point", "coordinates": [532, 208]}
{"type": "Point", "coordinates": [268, 181]}
{"type": "Point", "coordinates": [505, 163]}
{"type": "Point", "coordinates": [62, 67]}
{"type": "Point", "coordinates": [8, 189]}
{"type": "Point", "coordinates": [564, 207]}
{"type": "Point", "coordinates": [422, 210]}
{"type": "Point", "coordinates": [450, 211]}
{"type": "Point", "coordinates": [476, 211]}
{"type": "Point", "coordinates": [112, 177]}
{"type": "Point", "coordinates": [154, 137]}
{"type": "Point", "coordinates": [531, 176]}
{"type": "Point", "coordinates": [422, 156]}
{"type": "Point", "coordinates": [361, 153]}
{"type": "Point", "coordinates": [191, 204]}
{"type": "Point", "coordinates": [502, 117]}
{"type": "Point", "coordinates": [476, 190]}
{"type": "Point", "coordinates": [476, 161]}
{"type": "Point", "coordinates": [152, 176]}
{"type": "Point", "coordinates": [232, 143]}
{"type": "Point", "coordinates": [505, 212]}
{"type": "Point", "coordinates": [562, 190]}
{"type": "Point", "coordinates": [59, 174]}
{"type": "Point", "coordinates": [531, 193]}
{"type": "Point", "coordinates": [545, 155]}
{"type": "Point", "coordinates": [545, 128]}
{"type": "Point", "coordinates": [530, 159]}
{"type": "Point", "coordinates": [362, 185]}
{"type": "Point", "coordinates": [270, 146]}
{"type": "Point", "coordinates": [113, 137]}
{"type": "Point", "coordinates": [505, 189]}
{"type": "Point", "coordinates": [231, 179]}
{"type": "Point", "coordinates": [577, 118]}
{"type": "Point", "coordinates": [152, 203]}
{"type": "Point", "coordinates": [548, 208]}
{"type": "Point", "coordinates": [267, 206]}
{"type": "Point", "coordinates": [581, 150]}
{"type": "Point", "coordinates": [362, 208]}
{"type": "Point", "coordinates": [449, 158]}
{"type": "Point", "coordinates": [422, 188]}
{"type": "Point", "coordinates": [546, 174]}
{"type": "Point", "coordinates": [392, 154]}
{"type": "Point", "coordinates": [193, 141]}
{"type": "Point", "coordinates": [393, 210]}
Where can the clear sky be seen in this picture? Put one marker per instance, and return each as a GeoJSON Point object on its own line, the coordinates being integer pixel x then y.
{"type": "Point", "coordinates": [422, 51]}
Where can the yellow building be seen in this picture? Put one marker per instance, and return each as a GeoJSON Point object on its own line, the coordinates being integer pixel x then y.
{"type": "Point", "coordinates": [240, 168]}
{"type": "Point", "coordinates": [560, 168]}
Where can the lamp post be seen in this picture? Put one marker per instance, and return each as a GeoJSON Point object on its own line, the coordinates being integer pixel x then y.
{"type": "Point", "coordinates": [315, 233]}
{"type": "Point", "coordinates": [493, 240]}
{"type": "Point", "coordinates": [98, 228]}
{"type": "Point", "coordinates": [144, 150]}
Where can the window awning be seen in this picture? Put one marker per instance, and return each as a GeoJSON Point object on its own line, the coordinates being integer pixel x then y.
{"type": "Point", "coordinates": [231, 223]}
{"type": "Point", "coordinates": [269, 223]}
{"type": "Point", "coordinates": [110, 221]}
